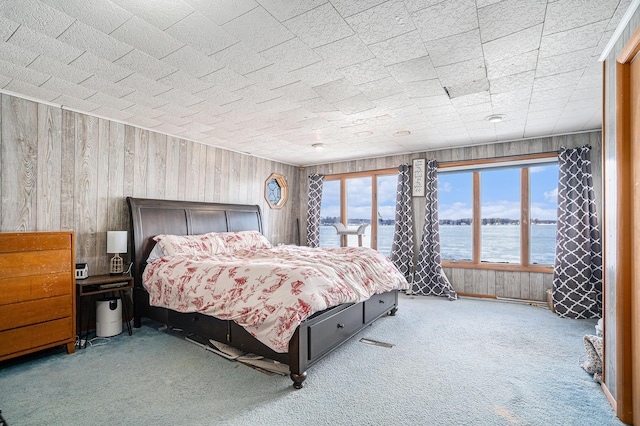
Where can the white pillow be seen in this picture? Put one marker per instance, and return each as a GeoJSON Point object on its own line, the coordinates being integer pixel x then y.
{"type": "Point", "coordinates": [156, 253]}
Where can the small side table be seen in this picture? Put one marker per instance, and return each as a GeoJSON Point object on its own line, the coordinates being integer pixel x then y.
{"type": "Point", "coordinates": [100, 284]}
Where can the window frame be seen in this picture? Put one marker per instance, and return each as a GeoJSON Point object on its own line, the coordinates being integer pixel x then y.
{"type": "Point", "coordinates": [476, 166]}
{"type": "Point", "coordinates": [373, 174]}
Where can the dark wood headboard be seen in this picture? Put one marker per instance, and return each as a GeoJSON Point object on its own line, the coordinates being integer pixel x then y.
{"type": "Point", "coordinates": [153, 217]}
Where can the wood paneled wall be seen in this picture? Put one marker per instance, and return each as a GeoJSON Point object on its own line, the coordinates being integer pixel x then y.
{"type": "Point", "coordinates": [62, 170]}
{"type": "Point", "coordinates": [519, 285]}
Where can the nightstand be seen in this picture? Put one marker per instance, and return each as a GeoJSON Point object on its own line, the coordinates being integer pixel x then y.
{"type": "Point", "coordinates": [101, 284]}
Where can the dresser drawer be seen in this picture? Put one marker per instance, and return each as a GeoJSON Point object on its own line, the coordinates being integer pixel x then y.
{"type": "Point", "coordinates": [13, 290]}
{"type": "Point", "coordinates": [379, 304]}
{"type": "Point", "coordinates": [32, 337]}
{"type": "Point", "coordinates": [332, 331]}
{"type": "Point", "coordinates": [35, 311]}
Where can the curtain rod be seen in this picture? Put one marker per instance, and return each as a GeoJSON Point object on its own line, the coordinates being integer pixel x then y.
{"type": "Point", "coordinates": [501, 159]}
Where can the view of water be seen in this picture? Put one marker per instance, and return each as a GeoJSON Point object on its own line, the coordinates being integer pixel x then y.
{"type": "Point", "coordinates": [500, 243]}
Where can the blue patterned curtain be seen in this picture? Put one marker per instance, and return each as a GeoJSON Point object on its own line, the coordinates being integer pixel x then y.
{"type": "Point", "coordinates": [313, 209]}
{"type": "Point", "coordinates": [577, 272]}
{"type": "Point", "coordinates": [402, 247]}
{"type": "Point", "coordinates": [429, 278]}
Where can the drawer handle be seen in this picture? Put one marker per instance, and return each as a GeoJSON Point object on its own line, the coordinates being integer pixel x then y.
{"type": "Point", "coordinates": [340, 325]}
{"type": "Point", "coordinates": [381, 301]}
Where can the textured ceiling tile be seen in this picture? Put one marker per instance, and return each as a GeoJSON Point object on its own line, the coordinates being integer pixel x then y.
{"type": "Point", "coordinates": [26, 75]}
{"type": "Point", "coordinates": [103, 15]}
{"type": "Point", "coordinates": [180, 97]}
{"type": "Point", "coordinates": [345, 52]}
{"type": "Point", "coordinates": [471, 99]}
{"type": "Point", "coordinates": [62, 86]}
{"type": "Point", "coordinates": [514, 100]}
{"type": "Point", "coordinates": [510, 16]}
{"type": "Point", "coordinates": [258, 29]}
{"type": "Point", "coordinates": [222, 11]}
{"type": "Point", "coordinates": [446, 18]}
{"type": "Point", "coordinates": [337, 90]}
{"type": "Point", "coordinates": [24, 88]}
{"type": "Point", "coordinates": [159, 13]}
{"type": "Point", "coordinates": [558, 64]}
{"type": "Point", "coordinates": [564, 15]}
{"type": "Point", "coordinates": [201, 34]}
{"type": "Point", "coordinates": [318, 105]}
{"type": "Point", "coordinates": [455, 48]}
{"type": "Point", "coordinates": [291, 55]}
{"type": "Point", "coordinates": [349, 7]}
{"type": "Point", "coordinates": [317, 74]}
{"type": "Point", "coordinates": [144, 122]}
{"type": "Point", "coordinates": [319, 26]}
{"type": "Point", "coordinates": [47, 65]}
{"type": "Point", "coordinates": [17, 55]}
{"type": "Point", "coordinates": [101, 85]}
{"type": "Point", "coordinates": [147, 38]}
{"type": "Point", "coordinates": [380, 88]}
{"type": "Point", "coordinates": [107, 100]}
{"type": "Point", "coordinates": [103, 111]}
{"type": "Point", "coordinates": [297, 91]}
{"type": "Point", "coordinates": [146, 65]}
{"type": "Point", "coordinates": [36, 16]}
{"type": "Point", "coordinates": [69, 102]}
{"type": "Point", "coordinates": [511, 65]}
{"type": "Point", "coordinates": [219, 96]}
{"type": "Point", "coordinates": [394, 102]}
{"type": "Point", "coordinates": [283, 10]}
{"type": "Point", "coordinates": [7, 27]}
{"type": "Point", "coordinates": [575, 39]}
{"type": "Point", "coordinates": [44, 45]}
{"type": "Point", "coordinates": [548, 104]}
{"type": "Point", "coordinates": [101, 67]}
{"type": "Point", "coordinates": [381, 22]}
{"type": "Point", "coordinates": [567, 79]}
{"type": "Point", "coordinates": [255, 94]}
{"type": "Point", "coordinates": [432, 101]}
{"type": "Point", "coordinates": [226, 78]}
{"type": "Point", "coordinates": [365, 72]}
{"type": "Point", "coordinates": [87, 38]}
{"type": "Point", "coordinates": [271, 77]}
{"type": "Point", "coordinates": [139, 109]}
{"type": "Point", "coordinates": [548, 94]}
{"type": "Point", "coordinates": [462, 72]}
{"type": "Point", "coordinates": [192, 62]}
{"type": "Point", "coordinates": [144, 84]}
{"type": "Point", "coordinates": [512, 82]}
{"type": "Point", "coordinates": [177, 111]}
{"type": "Point", "coordinates": [185, 82]}
{"type": "Point", "coordinates": [513, 44]}
{"type": "Point", "coordinates": [413, 70]}
{"type": "Point", "coordinates": [241, 59]}
{"type": "Point", "coordinates": [399, 49]}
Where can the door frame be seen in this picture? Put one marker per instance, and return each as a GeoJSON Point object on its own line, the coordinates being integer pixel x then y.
{"type": "Point", "coordinates": [628, 242]}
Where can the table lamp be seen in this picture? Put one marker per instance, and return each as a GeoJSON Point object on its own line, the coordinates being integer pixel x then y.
{"type": "Point", "coordinates": [116, 244]}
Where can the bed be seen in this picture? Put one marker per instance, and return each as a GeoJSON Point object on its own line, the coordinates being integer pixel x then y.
{"type": "Point", "coordinates": [314, 338]}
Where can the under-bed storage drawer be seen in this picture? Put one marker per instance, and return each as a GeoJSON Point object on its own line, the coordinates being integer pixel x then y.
{"type": "Point", "coordinates": [379, 304]}
{"type": "Point", "coordinates": [328, 333]}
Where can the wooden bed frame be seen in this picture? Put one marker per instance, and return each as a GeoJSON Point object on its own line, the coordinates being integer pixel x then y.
{"type": "Point", "coordinates": [313, 339]}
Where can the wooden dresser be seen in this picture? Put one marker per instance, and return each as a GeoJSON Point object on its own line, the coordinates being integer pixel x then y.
{"type": "Point", "coordinates": [37, 292]}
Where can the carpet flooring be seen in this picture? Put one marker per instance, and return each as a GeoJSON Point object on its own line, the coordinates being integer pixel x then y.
{"type": "Point", "coordinates": [467, 362]}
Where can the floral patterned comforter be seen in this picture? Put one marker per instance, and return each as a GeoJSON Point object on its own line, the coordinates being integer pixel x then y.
{"type": "Point", "coordinates": [270, 292]}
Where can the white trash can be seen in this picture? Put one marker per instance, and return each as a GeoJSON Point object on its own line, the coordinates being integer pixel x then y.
{"type": "Point", "coordinates": [108, 317]}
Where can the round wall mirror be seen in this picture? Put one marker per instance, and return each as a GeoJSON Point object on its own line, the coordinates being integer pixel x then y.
{"type": "Point", "coordinates": [276, 191]}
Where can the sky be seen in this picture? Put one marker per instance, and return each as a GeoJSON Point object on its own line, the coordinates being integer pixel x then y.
{"type": "Point", "coordinates": [500, 191]}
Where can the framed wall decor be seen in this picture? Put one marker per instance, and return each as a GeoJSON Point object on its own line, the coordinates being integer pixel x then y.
{"type": "Point", "coordinates": [418, 172]}
{"type": "Point", "coordinates": [276, 191]}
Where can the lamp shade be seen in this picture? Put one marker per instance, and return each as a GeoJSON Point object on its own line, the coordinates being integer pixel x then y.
{"type": "Point", "coordinates": [116, 241]}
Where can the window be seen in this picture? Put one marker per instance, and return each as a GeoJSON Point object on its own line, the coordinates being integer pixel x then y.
{"type": "Point", "coordinates": [360, 198]}
{"type": "Point", "coordinates": [502, 216]}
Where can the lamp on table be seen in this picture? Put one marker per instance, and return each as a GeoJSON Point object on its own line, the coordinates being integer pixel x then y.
{"type": "Point", "coordinates": [116, 244]}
